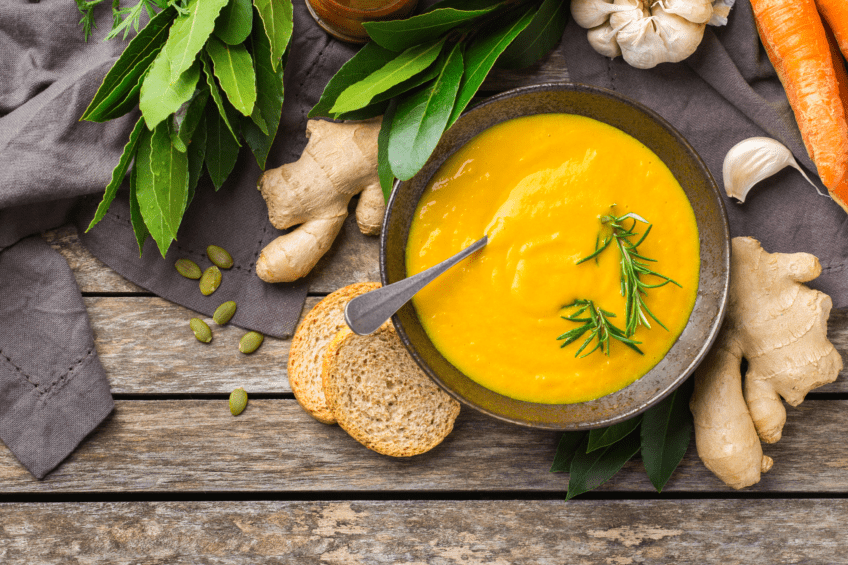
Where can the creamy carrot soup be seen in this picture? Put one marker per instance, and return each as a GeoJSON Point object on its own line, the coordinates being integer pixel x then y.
{"type": "Point", "coordinates": [537, 187]}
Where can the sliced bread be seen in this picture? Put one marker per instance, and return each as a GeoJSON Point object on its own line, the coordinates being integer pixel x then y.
{"type": "Point", "coordinates": [381, 397]}
{"type": "Point", "coordinates": [317, 330]}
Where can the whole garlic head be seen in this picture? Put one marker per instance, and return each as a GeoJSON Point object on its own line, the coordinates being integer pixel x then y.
{"type": "Point", "coordinates": [644, 32]}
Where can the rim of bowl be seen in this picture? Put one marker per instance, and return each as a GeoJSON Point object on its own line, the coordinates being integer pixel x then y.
{"type": "Point", "coordinates": [673, 384]}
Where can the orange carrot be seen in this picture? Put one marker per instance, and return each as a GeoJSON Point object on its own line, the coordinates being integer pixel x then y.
{"type": "Point", "coordinates": [835, 13]}
{"type": "Point", "coordinates": [795, 41]}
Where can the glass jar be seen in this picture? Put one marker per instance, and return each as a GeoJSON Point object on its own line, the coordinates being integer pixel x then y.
{"type": "Point", "coordinates": [343, 18]}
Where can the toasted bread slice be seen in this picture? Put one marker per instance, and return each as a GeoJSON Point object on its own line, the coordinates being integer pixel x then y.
{"type": "Point", "coordinates": [381, 397]}
{"type": "Point", "coordinates": [317, 330]}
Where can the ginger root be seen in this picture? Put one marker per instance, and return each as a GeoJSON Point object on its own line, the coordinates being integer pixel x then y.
{"type": "Point", "coordinates": [780, 326]}
{"type": "Point", "coordinates": [339, 162]}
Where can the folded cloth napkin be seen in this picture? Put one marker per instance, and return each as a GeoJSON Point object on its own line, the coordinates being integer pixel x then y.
{"type": "Point", "coordinates": [726, 92]}
{"type": "Point", "coordinates": [53, 169]}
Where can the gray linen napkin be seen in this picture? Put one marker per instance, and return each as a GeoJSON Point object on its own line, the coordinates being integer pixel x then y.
{"type": "Point", "coordinates": [53, 170]}
{"type": "Point", "coordinates": [724, 93]}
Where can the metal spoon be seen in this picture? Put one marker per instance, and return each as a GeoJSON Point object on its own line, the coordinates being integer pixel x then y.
{"type": "Point", "coordinates": [367, 312]}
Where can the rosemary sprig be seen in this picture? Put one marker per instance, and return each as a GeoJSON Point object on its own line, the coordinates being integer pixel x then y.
{"type": "Point", "coordinates": [599, 326]}
{"type": "Point", "coordinates": [633, 266]}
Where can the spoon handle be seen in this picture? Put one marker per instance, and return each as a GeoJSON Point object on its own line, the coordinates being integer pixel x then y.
{"type": "Point", "coordinates": [367, 312]}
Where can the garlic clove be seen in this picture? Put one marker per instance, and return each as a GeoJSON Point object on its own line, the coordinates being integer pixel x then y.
{"type": "Point", "coordinates": [592, 13]}
{"type": "Point", "coordinates": [755, 159]}
{"type": "Point", "coordinates": [696, 11]}
{"type": "Point", "coordinates": [602, 40]}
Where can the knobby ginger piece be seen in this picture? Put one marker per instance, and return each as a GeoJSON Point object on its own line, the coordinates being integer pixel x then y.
{"type": "Point", "coordinates": [339, 162]}
{"type": "Point", "coordinates": [780, 327]}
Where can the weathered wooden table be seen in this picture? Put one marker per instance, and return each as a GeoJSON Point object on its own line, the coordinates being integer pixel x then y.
{"type": "Point", "coordinates": [171, 477]}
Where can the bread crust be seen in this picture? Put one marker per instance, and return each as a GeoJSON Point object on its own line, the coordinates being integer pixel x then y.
{"type": "Point", "coordinates": [321, 324]}
{"type": "Point", "coordinates": [369, 427]}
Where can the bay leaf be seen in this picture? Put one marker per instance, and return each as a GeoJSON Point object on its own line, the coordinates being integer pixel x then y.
{"type": "Point", "coordinates": [162, 186]}
{"type": "Point", "coordinates": [215, 92]}
{"type": "Point", "coordinates": [124, 97]}
{"type": "Point", "coordinates": [566, 450]}
{"type": "Point", "coordinates": [370, 111]}
{"type": "Point", "coordinates": [234, 68]}
{"type": "Point", "coordinates": [189, 33]}
{"type": "Point", "coordinates": [422, 116]}
{"type": "Point", "coordinates": [481, 55]}
{"type": "Point", "coordinates": [139, 227]}
{"type": "Point", "coordinates": [588, 471]}
{"type": "Point", "coordinates": [368, 59]}
{"type": "Point", "coordinates": [188, 117]}
{"type": "Point", "coordinates": [277, 20]}
{"type": "Point", "coordinates": [666, 433]}
{"type": "Point", "coordinates": [269, 97]}
{"type": "Point", "coordinates": [234, 22]}
{"type": "Point", "coordinates": [604, 437]}
{"type": "Point", "coordinates": [384, 168]}
{"type": "Point", "coordinates": [539, 37]}
{"type": "Point", "coordinates": [221, 149]}
{"type": "Point", "coordinates": [127, 71]}
{"type": "Point", "coordinates": [118, 174]}
{"type": "Point", "coordinates": [468, 4]}
{"type": "Point", "coordinates": [196, 155]}
{"type": "Point", "coordinates": [402, 67]}
{"type": "Point", "coordinates": [399, 35]}
{"type": "Point", "coordinates": [161, 97]}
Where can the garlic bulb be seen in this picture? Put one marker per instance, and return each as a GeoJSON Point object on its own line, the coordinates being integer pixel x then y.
{"type": "Point", "coordinates": [754, 159]}
{"type": "Point", "coordinates": [644, 32]}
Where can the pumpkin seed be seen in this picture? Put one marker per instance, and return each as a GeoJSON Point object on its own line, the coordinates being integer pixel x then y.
{"type": "Point", "coordinates": [238, 401]}
{"type": "Point", "coordinates": [250, 342]}
{"type": "Point", "coordinates": [187, 268]}
{"type": "Point", "coordinates": [224, 312]}
{"type": "Point", "coordinates": [210, 281]}
{"type": "Point", "coordinates": [201, 330]}
{"type": "Point", "coordinates": [219, 256]}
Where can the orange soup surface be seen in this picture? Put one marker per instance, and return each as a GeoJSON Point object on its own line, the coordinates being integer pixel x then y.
{"type": "Point", "coordinates": [537, 186]}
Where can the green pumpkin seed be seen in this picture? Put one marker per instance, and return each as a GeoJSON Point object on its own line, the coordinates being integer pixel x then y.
{"type": "Point", "coordinates": [250, 342]}
{"type": "Point", "coordinates": [210, 281]}
{"type": "Point", "coordinates": [224, 312]}
{"type": "Point", "coordinates": [187, 268]}
{"type": "Point", "coordinates": [219, 256]}
{"type": "Point", "coordinates": [238, 401]}
{"type": "Point", "coordinates": [201, 330]}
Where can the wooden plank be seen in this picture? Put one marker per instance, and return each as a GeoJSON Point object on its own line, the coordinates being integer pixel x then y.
{"type": "Point", "coordinates": [274, 446]}
{"type": "Point", "coordinates": [146, 346]}
{"type": "Point", "coordinates": [490, 532]}
{"type": "Point", "coordinates": [354, 257]}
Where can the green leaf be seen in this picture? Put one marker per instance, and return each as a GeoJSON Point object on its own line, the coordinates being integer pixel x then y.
{"type": "Point", "coordinates": [188, 117]}
{"type": "Point", "coordinates": [384, 169]}
{"type": "Point", "coordinates": [138, 225]}
{"type": "Point", "coordinates": [216, 93]}
{"type": "Point", "coordinates": [160, 97]}
{"type": "Point", "coordinates": [421, 118]}
{"type": "Point", "coordinates": [162, 186]}
{"type": "Point", "coordinates": [258, 120]}
{"type": "Point", "coordinates": [113, 108]}
{"type": "Point", "coordinates": [399, 35]}
{"type": "Point", "coordinates": [235, 22]}
{"type": "Point", "coordinates": [118, 174]}
{"type": "Point", "coordinates": [588, 471]}
{"type": "Point", "coordinates": [269, 98]}
{"type": "Point", "coordinates": [127, 71]}
{"type": "Point", "coordinates": [604, 437]}
{"type": "Point", "coordinates": [196, 154]}
{"type": "Point", "coordinates": [480, 57]}
{"type": "Point", "coordinates": [234, 69]}
{"type": "Point", "coordinates": [366, 113]}
{"type": "Point", "coordinates": [666, 432]}
{"type": "Point", "coordinates": [402, 67]}
{"type": "Point", "coordinates": [277, 19]}
{"type": "Point", "coordinates": [566, 449]}
{"type": "Point", "coordinates": [366, 61]}
{"type": "Point", "coordinates": [221, 150]}
{"type": "Point", "coordinates": [539, 37]}
{"type": "Point", "coordinates": [189, 33]}
{"type": "Point", "coordinates": [467, 4]}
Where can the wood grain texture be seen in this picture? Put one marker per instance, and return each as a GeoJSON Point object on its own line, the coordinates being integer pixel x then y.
{"type": "Point", "coordinates": [274, 446]}
{"type": "Point", "coordinates": [147, 347]}
{"type": "Point", "coordinates": [485, 532]}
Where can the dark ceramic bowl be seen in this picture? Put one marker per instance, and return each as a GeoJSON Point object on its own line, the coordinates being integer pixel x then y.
{"type": "Point", "coordinates": [689, 170]}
